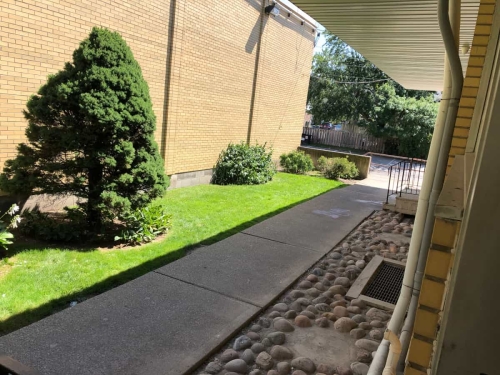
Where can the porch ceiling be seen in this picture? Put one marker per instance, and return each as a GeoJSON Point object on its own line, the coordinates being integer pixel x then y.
{"type": "Point", "coordinates": [401, 37]}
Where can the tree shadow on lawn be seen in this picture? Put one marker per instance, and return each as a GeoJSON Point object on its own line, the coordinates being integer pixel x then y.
{"type": "Point", "coordinates": [32, 315]}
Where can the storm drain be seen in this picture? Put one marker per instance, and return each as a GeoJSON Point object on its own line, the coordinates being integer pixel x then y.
{"type": "Point", "coordinates": [386, 285]}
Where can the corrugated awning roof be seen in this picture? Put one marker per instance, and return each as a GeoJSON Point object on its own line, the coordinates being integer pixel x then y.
{"type": "Point", "coordinates": [401, 37]}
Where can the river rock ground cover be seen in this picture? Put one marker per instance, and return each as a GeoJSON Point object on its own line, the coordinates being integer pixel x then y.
{"type": "Point", "coordinates": [312, 328]}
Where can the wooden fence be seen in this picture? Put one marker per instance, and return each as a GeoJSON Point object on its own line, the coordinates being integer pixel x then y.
{"type": "Point", "coordinates": [341, 138]}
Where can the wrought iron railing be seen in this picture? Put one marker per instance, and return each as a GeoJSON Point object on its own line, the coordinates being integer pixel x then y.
{"type": "Point", "coordinates": [406, 177]}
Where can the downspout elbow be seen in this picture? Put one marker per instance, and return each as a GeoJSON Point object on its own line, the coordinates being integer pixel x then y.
{"type": "Point", "coordinates": [394, 352]}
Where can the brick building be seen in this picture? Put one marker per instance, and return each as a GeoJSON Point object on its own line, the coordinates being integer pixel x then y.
{"type": "Point", "coordinates": [218, 71]}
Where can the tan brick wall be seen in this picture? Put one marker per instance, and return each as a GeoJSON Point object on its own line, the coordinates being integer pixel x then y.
{"type": "Point", "coordinates": [213, 60]}
{"type": "Point", "coordinates": [472, 79]}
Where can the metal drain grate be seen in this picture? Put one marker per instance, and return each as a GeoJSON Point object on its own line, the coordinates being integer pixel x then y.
{"type": "Point", "coordinates": [386, 285]}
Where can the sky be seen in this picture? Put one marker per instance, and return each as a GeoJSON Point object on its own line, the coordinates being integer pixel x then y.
{"type": "Point", "coordinates": [320, 42]}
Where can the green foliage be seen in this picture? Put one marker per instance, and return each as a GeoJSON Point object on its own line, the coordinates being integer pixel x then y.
{"type": "Point", "coordinates": [6, 224]}
{"type": "Point", "coordinates": [296, 162]}
{"type": "Point", "coordinates": [91, 134]}
{"type": "Point", "coordinates": [347, 87]}
{"type": "Point", "coordinates": [335, 168]}
{"type": "Point", "coordinates": [55, 228]}
{"type": "Point", "coordinates": [242, 164]}
{"type": "Point", "coordinates": [144, 225]}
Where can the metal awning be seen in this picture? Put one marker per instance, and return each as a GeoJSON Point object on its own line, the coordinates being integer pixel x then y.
{"type": "Point", "coordinates": [401, 37]}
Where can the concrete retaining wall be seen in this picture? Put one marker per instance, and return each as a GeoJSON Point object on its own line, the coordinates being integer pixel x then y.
{"type": "Point", "coordinates": [362, 162]}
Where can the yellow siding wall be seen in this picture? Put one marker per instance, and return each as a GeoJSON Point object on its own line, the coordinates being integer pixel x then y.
{"type": "Point", "coordinates": [203, 102]}
{"type": "Point", "coordinates": [472, 79]}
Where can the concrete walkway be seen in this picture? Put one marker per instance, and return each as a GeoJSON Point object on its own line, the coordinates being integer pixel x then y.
{"type": "Point", "coordinates": [170, 320]}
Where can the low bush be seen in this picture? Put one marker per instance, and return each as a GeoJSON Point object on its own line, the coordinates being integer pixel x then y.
{"type": "Point", "coordinates": [296, 162]}
{"type": "Point", "coordinates": [68, 227]}
{"type": "Point", "coordinates": [144, 225]}
{"type": "Point", "coordinates": [241, 164]}
{"type": "Point", "coordinates": [335, 168]}
{"type": "Point", "coordinates": [6, 224]}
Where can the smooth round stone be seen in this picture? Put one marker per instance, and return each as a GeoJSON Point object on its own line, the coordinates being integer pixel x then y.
{"type": "Point", "coordinates": [272, 372]}
{"type": "Point", "coordinates": [322, 307]}
{"type": "Point", "coordinates": [312, 309]}
{"type": "Point", "coordinates": [345, 324]}
{"type": "Point", "coordinates": [296, 294]}
{"type": "Point", "coordinates": [267, 343]}
{"type": "Point", "coordinates": [342, 281]}
{"type": "Point", "coordinates": [329, 276]}
{"type": "Point", "coordinates": [258, 347]}
{"type": "Point", "coordinates": [264, 361]}
{"type": "Point", "coordinates": [338, 289]}
{"type": "Point", "coordinates": [308, 314]}
{"type": "Point", "coordinates": [302, 321]}
{"type": "Point", "coordinates": [361, 264]}
{"type": "Point", "coordinates": [237, 365]}
{"type": "Point", "coordinates": [305, 284]}
{"type": "Point", "coordinates": [228, 355]}
{"type": "Point", "coordinates": [318, 272]}
{"type": "Point", "coordinates": [329, 316]}
{"type": "Point", "coordinates": [377, 324]}
{"type": "Point", "coordinates": [313, 292]}
{"type": "Point", "coordinates": [368, 345]}
{"type": "Point", "coordinates": [213, 368]}
{"type": "Point", "coordinates": [351, 262]}
{"type": "Point", "coordinates": [359, 303]}
{"type": "Point", "coordinates": [359, 368]}
{"type": "Point", "coordinates": [253, 336]}
{"type": "Point", "coordinates": [354, 310]}
{"type": "Point", "coordinates": [326, 282]}
{"type": "Point", "coordinates": [340, 311]}
{"type": "Point", "coordinates": [283, 368]}
{"type": "Point", "coordinates": [344, 370]}
{"type": "Point", "coordinates": [256, 328]}
{"type": "Point", "coordinates": [304, 364]}
{"type": "Point", "coordinates": [281, 307]}
{"type": "Point", "coordinates": [242, 342]}
{"type": "Point", "coordinates": [231, 373]}
{"type": "Point", "coordinates": [365, 325]}
{"type": "Point", "coordinates": [264, 322]}
{"type": "Point", "coordinates": [376, 314]}
{"type": "Point", "coordinates": [363, 356]}
{"type": "Point", "coordinates": [277, 338]}
{"type": "Point", "coordinates": [320, 287]}
{"type": "Point", "coordinates": [298, 372]}
{"type": "Point", "coordinates": [377, 334]}
{"type": "Point", "coordinates": [274, 314]}
{"type": "Point", "coordinates": [290, 314]}
{"type": "Point", "coordinates": [280, 353]}
{"type": "Point", "coordinates": [359, 318]}
{"type": "Point", "coordinates": [256, 372]}
{"type": "Point", "coordinates": [357, 333]}
{"type": "Point", "coordinates": [325, 369]}
{"type": "Point", "coordinates": [320, 299]}
{"type": "Point", "coordinates": [248, 356]}
{"type": "Point", "coordinates": [342, 302]}
{"type": "Point", "coordinates": [322, 322]}
{"type": "Point", "coordinates": [312, 278]}
{"type": "Point", "coordinates": [343, 263]}
{"type": "Point", "coordinates": [327, 294]}
{"type": "Point", "coordinates": [336, 255]}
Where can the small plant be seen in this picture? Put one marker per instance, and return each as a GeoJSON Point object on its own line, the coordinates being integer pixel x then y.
{"type": "Point", "coordinates": [144, 225]}
{"type": "Point", "coordinates": [5, 225]}
{"type": "Point", "coordinates": [335, 168]}
{"type": "Point", "coordinates": [296, 162]}
{"type": "Point", "coordinates": [241, 164]}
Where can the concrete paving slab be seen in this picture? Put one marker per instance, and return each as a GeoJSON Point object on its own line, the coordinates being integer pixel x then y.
{"type": "Point", "coordinates": [322, 222]}
{"type": "Point", "coordinates": [151, 325]}
{"type": "Point", "coordinates": [245, 267]}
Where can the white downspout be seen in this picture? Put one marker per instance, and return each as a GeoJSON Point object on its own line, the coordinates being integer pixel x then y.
{"type": "Point", "coordinates": [454, 16]}
{"type": "Point", "coordinates": [443, 118]}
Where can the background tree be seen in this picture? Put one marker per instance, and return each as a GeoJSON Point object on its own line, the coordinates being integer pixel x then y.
{"type": "Point", "coordinates": [91, 134]}
{"type": "Point", "coordinates": [346, 87]}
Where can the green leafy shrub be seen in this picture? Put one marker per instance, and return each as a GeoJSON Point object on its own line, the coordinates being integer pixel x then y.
{"type": "Point", "coordinates": [91, 135]}
{"type": "Point", "coordinates": [335, 168]}
{"type": "Point", "coordinates": [70, 227]}
{"type": "Point", "coordinates": [296, 162]}
{"type": "Point", "coordinates": [144, 225]}
{"type": "Point", "coordinates": [241, 164]}
{"type": "Point", "coordinates": [6, 224]}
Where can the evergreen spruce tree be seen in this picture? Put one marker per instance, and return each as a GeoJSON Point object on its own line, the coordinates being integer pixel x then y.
{"type": "Point", "coordinates": [91, 134]}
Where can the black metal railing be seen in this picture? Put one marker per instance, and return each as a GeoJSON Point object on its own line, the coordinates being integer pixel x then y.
{"type": "Point", "coordinates": [406, 177]}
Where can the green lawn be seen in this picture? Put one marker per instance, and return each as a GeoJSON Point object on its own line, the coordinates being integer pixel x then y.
{"type": "Point", "coordinates": [36, 282]}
